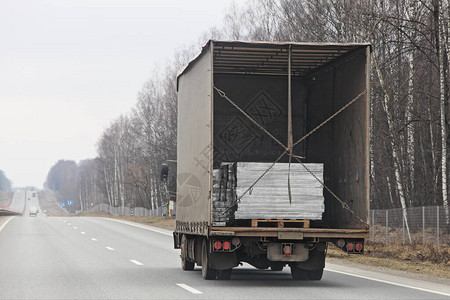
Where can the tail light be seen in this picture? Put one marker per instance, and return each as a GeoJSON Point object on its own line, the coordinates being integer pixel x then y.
{"type": "Point", "coordinates": [217, 245]}
{"type": "Point", "coordinates": [350, 247]}
{"type": "Point", "coordinates": [359, 247]}
{"type": "Point", "coordinates": [354, 247]}
{"type": "Point", "coordinates": [287, 249]}
{"type": "Point", "coordinates": [225, 246]}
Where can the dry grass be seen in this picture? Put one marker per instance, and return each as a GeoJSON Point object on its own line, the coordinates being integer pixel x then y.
{"type": "Point", "coordinates": [164, 222]}
{"type": "Point", "coordinates": [397, 235]}
{"type": "Point", "coordinates": [47, 202]}
{"type": "Point", "coordinates": [422, 259]}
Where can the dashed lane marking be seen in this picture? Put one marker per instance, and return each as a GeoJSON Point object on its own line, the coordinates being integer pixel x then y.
{"type": "Point", "coordinates": [94, 239]}
{"type": "Point", "coordinates": [136, 262]}
{"type": "Point", "coordinates": [83, 232]}
{"type": "Point", "coordinates": [189, 288]}
{"type": "Point", "coordinates": [74, 227]}
{"type": "Point", "coordinates": [109, 248]}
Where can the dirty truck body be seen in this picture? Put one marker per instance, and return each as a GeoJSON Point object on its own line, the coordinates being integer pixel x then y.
{"type": "Point", "coordinates": [286, 106]}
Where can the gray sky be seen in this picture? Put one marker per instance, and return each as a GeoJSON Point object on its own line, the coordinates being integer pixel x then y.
{"type": "Point", "coordinates": [69, 67]}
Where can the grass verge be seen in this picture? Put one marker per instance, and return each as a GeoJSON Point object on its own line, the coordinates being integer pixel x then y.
{"type": "Point", "coordinates": [428, 260]}
{"type": "Point", "coordinates": [164, 222]}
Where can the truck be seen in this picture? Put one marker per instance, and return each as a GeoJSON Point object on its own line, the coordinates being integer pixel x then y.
{"type": "Point", "coordinates": [272, 156]}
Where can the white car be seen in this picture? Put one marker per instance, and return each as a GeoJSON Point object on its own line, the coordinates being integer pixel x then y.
{"type": "Point", "coordinates": [33, 211]}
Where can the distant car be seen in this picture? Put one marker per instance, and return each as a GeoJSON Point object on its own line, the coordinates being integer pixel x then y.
{"type": "Point", "coordinates": [33, 211]}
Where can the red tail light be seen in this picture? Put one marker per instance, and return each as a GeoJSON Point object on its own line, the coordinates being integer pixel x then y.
{"type": "Point", "coordinates": [287, 250]}
{"type": "Point", "coordinates": [359, 247]}
{"type": "Point", "coordinates": [226, 245]}
{"type": "Point", "coordinates": [217, 245]}
{"type": "Point", "coordinates": [350, 247]}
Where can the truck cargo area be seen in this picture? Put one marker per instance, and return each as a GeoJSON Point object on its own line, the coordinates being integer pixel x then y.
{"type": "Point", "coordinates": [273, 155]}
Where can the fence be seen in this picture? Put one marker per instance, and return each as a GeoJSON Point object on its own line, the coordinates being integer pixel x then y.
{"type": "Point", "coordinates": [415, 225]}
{"type": "Point", "coordinates": [127, 211]}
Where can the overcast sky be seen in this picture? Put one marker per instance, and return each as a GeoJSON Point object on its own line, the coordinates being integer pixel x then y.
{"type": "Point", "coordinates": [69, 67]}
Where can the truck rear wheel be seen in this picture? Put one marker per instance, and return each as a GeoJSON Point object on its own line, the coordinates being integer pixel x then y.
{"type": "Point", "coordinates": [185, 263]}
{"type": "Point", "coordinates": [207, 272]}
{"type": "Point", "coordinates": [301, 274]}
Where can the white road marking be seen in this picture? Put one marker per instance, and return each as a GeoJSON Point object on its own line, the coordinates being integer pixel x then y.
{"type": "Point", "coordinates": [65, 221]}
{"type": "Point", "coordinates": [83, 232]}
{"type": "Point", "coordinates": [94, 239]}
{"type": "Point", "coordinates": [6, 222]}
{"type": "Point", "coordinates": [74, 227]}
{"type": "Point", "coordinates": [136, 262]}
{"type": "Point", "coordinates": [188, 288]}
{"type": "Point", "coordinates": [109, 248]}
{"type": "Point", "coordinates": [390, 282]}
{"type": "Point", "coordinates": [140, 226]}
{"type": "Point", "coordinates": [69, 224]}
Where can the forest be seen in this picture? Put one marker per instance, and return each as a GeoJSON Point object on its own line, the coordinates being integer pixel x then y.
{"type": "Point", "coordinates": [409, 102]}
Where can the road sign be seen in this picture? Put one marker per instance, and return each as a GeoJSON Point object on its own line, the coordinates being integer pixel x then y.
{"type": "Point", "coordinates": [63, 204]}
{"type": "Point", "coordinates": [69, 202]}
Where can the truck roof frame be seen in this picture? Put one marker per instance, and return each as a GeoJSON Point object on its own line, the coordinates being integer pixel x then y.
{"type": "Point", "coordinates": [271, 58]}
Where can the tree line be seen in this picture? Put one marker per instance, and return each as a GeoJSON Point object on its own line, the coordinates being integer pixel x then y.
{"type": "Point", "coordinates": [409, 92]}
{"type": "Point", "coordinates": [5, 183]}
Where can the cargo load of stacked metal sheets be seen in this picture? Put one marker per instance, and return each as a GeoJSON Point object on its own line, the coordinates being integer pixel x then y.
{"type": "Point", "coordinates": [269, 197]}
{"type": "Point", "coordinates": [224, 193]}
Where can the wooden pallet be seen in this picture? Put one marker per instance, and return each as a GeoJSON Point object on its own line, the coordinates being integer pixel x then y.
{"type": "Point", "coordinates": [280, 223]}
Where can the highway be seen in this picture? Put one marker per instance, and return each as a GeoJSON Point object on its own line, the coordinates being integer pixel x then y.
{"type": "Point", "coordinates": [95, 258]}
{"type": "Point", "coordinates": [18, 201]}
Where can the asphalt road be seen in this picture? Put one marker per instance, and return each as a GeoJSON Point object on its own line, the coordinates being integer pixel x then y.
{"type": "Point", "coordinates": [18, 201]}
{"type": "Point", "coordinates": [95, 258]}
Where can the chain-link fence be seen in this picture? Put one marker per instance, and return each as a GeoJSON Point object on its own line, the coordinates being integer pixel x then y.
{"type": "Point", "coordinates": [414, 225]}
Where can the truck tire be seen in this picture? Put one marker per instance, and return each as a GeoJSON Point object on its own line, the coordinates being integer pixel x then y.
{"type": "Point", "coordinates": [224, 274]}
{"type": "Point", "coordinates": [207, 272]}
{"type": "Point", "coordinates": [186, 265]}
{"type": "Point", "coordinates": [300, 274]}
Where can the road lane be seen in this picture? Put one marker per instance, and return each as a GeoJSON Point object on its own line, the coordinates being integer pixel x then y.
{"type": "Point", "coordinates": [48, 259]}
{"type": "Point", "coordinates": [18, 201]}
{"type": "Point", "coordinates": [32, 201]}
{"type": "Point", "coordinates": [44, 258]}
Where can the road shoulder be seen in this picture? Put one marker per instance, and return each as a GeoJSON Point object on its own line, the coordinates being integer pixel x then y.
{"type": "Point", "coordinates": [423, 282]}
{"type": "Point", "coordinates": [4, 221]}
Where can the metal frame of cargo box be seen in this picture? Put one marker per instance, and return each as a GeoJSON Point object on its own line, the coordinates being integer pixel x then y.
{"type": "Point", "coordinates": [195, 156]}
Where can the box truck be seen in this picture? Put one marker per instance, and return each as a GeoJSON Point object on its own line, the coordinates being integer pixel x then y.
{"type": "Point", "coordinates": [272, 156]}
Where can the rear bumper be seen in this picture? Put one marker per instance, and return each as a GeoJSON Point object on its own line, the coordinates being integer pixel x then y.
{"type": "Point", "coordinates": [301, 233]}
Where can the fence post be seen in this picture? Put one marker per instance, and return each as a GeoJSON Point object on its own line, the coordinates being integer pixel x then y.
{"type": "Point", "coordinates": [403, 227]}
{"type": "Point", "coordinates": [423, 225]}
{"type": "Point", "coordinates": [437, 225]}
{"type": "Point", "coordinates": [387, 227]}
{"type": "Point", "coordinates": [373, 225]}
